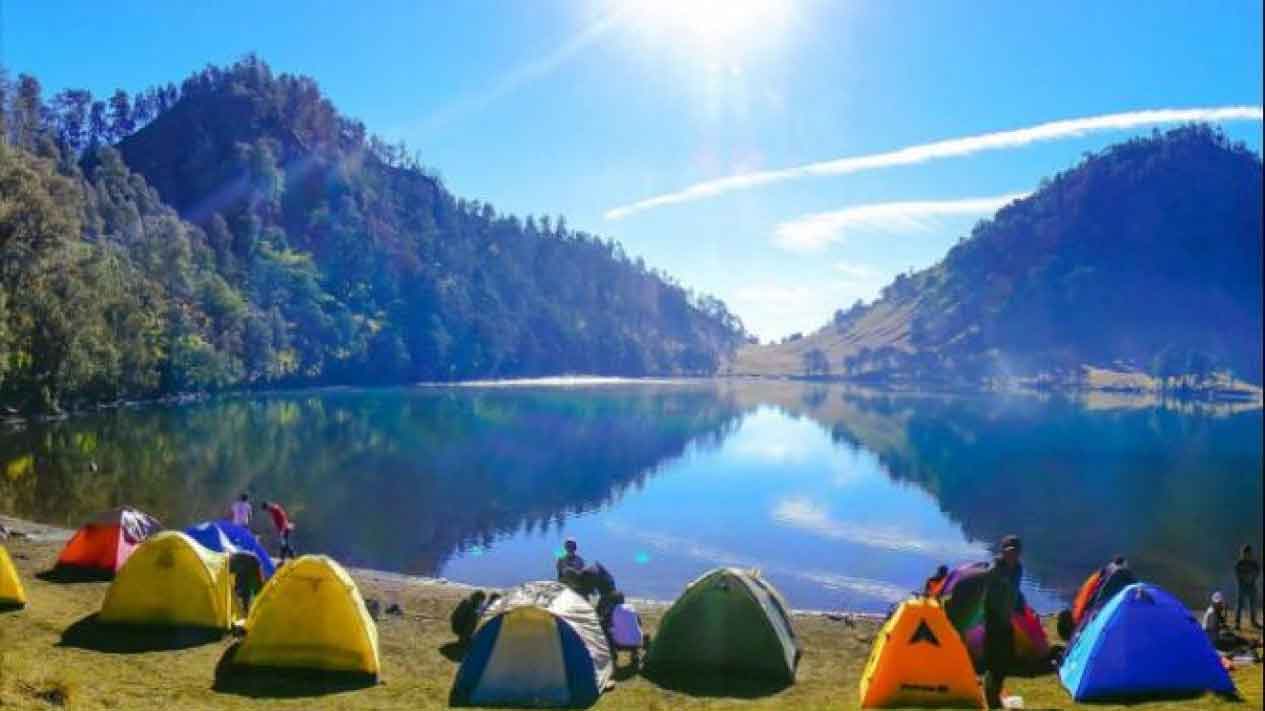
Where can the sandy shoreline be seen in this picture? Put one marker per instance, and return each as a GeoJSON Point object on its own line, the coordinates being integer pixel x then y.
{"type": "Point", "coordinates": [385, 580]}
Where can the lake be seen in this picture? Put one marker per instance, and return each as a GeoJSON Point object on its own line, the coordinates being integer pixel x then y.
{"type": "Point", "coordinates": [845, 499]}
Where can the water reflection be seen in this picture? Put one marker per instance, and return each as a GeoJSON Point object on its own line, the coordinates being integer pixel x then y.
{"type": "Point", "coordinates": [844, 498]}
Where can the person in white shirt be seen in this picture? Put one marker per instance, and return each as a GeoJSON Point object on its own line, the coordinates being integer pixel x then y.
{"type": "Point", "coordinates": [239, 511]}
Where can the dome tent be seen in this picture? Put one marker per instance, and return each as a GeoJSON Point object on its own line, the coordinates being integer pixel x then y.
{"type": "Point", "coordinates": [12, 593]}
{"type": "Point", "coordinates": [226, 537]}
{"type": "Point", "coordinates": [917, 660]}
{"type": "Point", "coordinates": [170, 580]}
{"type": "Point", "coordinates": [728, 620]}
{"type": "Point", "coordinates": [1143, 643]}
{"type": "Point", "coordinates": [103, 544]}
{"type": "Point", "coordinates": [962, 595]}
{"type": "Point", "coordinates": [310, 616]}
{"type": "Point", "coordinates": [541, 644]}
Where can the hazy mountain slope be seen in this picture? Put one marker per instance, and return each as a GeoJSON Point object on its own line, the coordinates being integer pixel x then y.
{"type": "Point", "coordinates": [1146, 255]}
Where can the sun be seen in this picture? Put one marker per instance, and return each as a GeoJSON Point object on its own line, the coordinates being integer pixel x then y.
{"type": "Point", "coordinates": [710, 27]}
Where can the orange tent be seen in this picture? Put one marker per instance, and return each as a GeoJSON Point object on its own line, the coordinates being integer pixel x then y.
{"type": "Point", "coordinates": [104, 543]}
{"type": "Point", "coordinates": [918, 660]}
{"type": "Point", "coordinates": [1084, 595]}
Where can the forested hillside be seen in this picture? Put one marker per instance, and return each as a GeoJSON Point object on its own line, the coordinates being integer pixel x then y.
{"type": "Point", "coordinates": [1145, 257]}
{"type": "Point", "coordinates": [238, 231]}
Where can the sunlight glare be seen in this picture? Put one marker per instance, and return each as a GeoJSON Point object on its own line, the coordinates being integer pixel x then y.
{"type": "Point", "coordinates": [713, 26]}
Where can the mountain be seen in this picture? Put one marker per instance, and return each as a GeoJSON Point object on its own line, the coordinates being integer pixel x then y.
{"type": "Point", "coordinates": [1144, 258]}
{"type": "Point", "coordinates": [238, 231]}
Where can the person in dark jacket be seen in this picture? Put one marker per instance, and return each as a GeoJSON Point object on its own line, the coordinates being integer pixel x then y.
{"type": "Point", "coordinates": [1246, 570]}
{"type": "Point", "coordinates": [1115, 576]}
{"type": "Point", "coordinates": [1001, 600]}
{"type": "Point", "coordinates": [465, 617]}
{"type": "Point", "coordinates": [247, 577]}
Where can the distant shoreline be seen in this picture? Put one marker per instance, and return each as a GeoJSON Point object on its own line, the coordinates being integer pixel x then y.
{"type": "Point", "coordinates": [1244, 395]}
{"type": "Point", "coordinates": [48, 535]}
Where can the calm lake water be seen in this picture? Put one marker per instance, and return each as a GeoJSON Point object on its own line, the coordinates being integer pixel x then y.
{"type": "Point", "coordinates": [845, 499]}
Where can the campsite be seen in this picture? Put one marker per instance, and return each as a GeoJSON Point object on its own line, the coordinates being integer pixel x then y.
{"type": "Point", "coordinates": [632, 354]}
{"type": "Point", "coordinates": [56, 654]}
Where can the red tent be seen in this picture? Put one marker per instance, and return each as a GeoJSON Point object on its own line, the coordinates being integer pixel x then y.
{"type": "Point", "coordinates": [104, 543]}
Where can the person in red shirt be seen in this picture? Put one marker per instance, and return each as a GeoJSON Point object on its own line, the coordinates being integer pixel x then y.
{"type": "Point", "coordinates": [284, 527]}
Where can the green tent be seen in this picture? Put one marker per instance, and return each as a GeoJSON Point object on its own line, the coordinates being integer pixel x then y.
{"type": "Point", "coordinates": [729, 621]}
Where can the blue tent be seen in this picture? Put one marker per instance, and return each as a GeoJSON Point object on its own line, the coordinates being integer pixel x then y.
{"type": "Point", "coordinates": [542, 645]}
{"type": "Point", "coordinates": [1142, 644]}
{"type": "Point", "coordinates": [225, 537]}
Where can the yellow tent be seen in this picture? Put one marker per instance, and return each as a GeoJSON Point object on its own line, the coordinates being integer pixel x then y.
{"type": "Point", "coordinates": [171, 580]}
{"type": "Point", "coordinates": [12, 594]}
{"type": "Point", "coordinates": [918, 660]}
{"type": "Point", "coordinates": [311, 616]}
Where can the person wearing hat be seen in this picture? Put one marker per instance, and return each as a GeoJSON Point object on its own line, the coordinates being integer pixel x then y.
{"type": "Point", "coordinates": [1001, 599]}
{"type": "Point", "coordinates": [570, 565]}
{"type": "Point", "coordinates": [1216, 625]}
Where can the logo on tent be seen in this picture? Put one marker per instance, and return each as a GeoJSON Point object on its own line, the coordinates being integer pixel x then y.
{"type": "Point", "coordinates": [923, 634]}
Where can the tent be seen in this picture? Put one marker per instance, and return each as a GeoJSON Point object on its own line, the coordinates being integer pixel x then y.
{"type": "Point", "coordinates": [1096, 591]}
{"type": "Point", "coordinates": [310, 616]}
{"type": "Point", "coordinates": [963, 598]}
{"type": "Point", "coordinates": [12, 594]}
{"type": "Point", "coordinates": [226, 537]}
{"type": "Point", "coordinates": [171, 580]}
{"type": "Point", "coordinates": [731, 621]}
{"type": "Point", "coordinates": [541, 644]}
{"type": "Point", "coordinates": [919, 660]}
{"type": "Point", "coordinates": [104, 543]}
{"type": "Point", "coordinates": [1084, 595]}
{"type": "Point", "coordinates": [1142, 644]}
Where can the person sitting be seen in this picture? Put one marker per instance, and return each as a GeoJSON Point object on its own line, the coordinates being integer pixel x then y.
{"type": "Point", "coordinates": [1217, 627]}
{"type": "Point", "coordinates": [570, 560]}
{"type": "Point", "coordinates": [465, 617]}
{"type": "Point", "coordinates": [935, 583]}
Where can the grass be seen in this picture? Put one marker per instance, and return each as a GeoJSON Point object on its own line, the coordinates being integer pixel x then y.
{"type": "Point", "coordinates": [54, 655]}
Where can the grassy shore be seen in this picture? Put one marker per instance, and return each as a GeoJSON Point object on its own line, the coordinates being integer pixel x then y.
{"type": "Point", "coordinates": [52, 655]}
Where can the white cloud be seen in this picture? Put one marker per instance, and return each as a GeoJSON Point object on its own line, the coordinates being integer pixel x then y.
{"type": "Point", "coordinates": [812, 232]}
{"type": "Point", "coordinates": [856, 272]}
{"type": "Point", "coordinates": [808, 516]}
{"type": "Point", "coordinates": [953, 147]}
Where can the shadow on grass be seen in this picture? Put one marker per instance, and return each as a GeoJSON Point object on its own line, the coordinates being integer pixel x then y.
{"type": "Point", "coordinates": [737, 685]}
{"type": "Point", "coordinates": [453, 651]}
{"type": "Point", "coordinates": [11, 607]}
{"type": "Point", "coordinates": [279, 683]}
{"type": "Point", "coordinates": [91, 633]}
{"type": "Point", "coordinates": [74, 574]}
{"type": "Point", "coordinates": [625, 672]}
{"type": "Point", "coordinates": [1152, 698]}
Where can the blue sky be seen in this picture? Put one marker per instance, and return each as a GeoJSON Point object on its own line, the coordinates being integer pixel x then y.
{"type": "Point", "coordinates": [580, 108]}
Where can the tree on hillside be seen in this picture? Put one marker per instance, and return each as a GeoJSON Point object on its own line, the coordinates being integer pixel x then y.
{"type": "Point", "coordinates": [816, 362]}
{"type": "Point", "coordinates": [121, 124]}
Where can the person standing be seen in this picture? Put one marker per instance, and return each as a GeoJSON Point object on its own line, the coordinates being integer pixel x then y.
{"type": "Point", "coordinates": [1247, 570]}
{"type": "Point", "coordinates": [239, 511]}
{"type": "Point", "coordinates": [283, 525]}
{"type": "Point", "coordinates": [247, 577]}
{"type": "Point", "coordinates": [1001, 599]}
